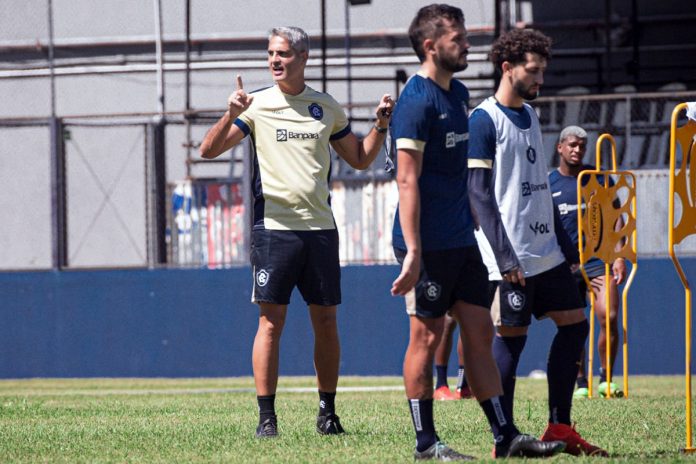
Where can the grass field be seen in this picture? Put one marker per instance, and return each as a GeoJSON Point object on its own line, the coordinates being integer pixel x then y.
{"type": "Point", "coordinates": [213, 420]}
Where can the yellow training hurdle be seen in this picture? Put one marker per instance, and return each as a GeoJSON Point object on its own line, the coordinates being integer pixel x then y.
{"type": "Point", "coordinates": [608, 233]}
{"type": "Point", "coordinates": [683, 185]}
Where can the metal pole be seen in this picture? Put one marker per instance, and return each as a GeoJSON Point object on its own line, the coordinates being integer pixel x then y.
{"type": "Point", "coordinates": [51, 57]}
{"type": "Point", "coordinates": [157, 178]}
{"type": "Point", "coordinates": [159, 56]}
{"type": "Point", "coordinates": [156, 194]}
{"type": "Point", "coordinates": [59, 221]}
{"type": "Point", "coordinates": [323, 46]}
{"type": "Point", "coordinates": [500, 27]}
{"type": "Point", "coordinates": [59, 235]}
{"type": "Point", "coordinates": [347, 43]}
{"type": "Point", "coordinates": [187, 96]}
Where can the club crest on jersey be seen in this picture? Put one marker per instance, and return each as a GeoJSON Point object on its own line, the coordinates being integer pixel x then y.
{"type": "Point", "coordinates": [432, 291]}
{"type": "Point", "coordinates": [262, 278]}
{"type": "Point", "coordinates": [516, 300]}
{"type": "Point", "coordinates": [316, 111]}
{"type": "Point", "coordinates": [531, 154]}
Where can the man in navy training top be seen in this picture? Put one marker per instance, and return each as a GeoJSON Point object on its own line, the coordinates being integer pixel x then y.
{"type": "Point", "coordinates": [433, 237]}
{"type": "Point", "coordinates": [572, 145]}
{"type": "Point", "coordinates": [509, 192]}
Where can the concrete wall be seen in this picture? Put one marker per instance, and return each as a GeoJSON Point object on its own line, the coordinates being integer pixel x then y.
{"type": "Point", "coordinates": [172, 323]}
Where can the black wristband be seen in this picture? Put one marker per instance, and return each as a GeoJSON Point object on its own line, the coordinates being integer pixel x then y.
{"type": "Point", "coordinates": [381, 130]}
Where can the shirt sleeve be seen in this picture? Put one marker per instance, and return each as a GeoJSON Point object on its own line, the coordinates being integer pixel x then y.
{"type": "Point", "coordinates": [341, 126]}
{"type": "Point", "coordinates": [411, 122]}
{"type": "Point", "coordinates": [482, 140]}
{"type": "Point", "coordinates": [487, 215]}
{"type": "Point", "coordinates": [570, 251]}
{"type": "Point", "coordinates": [245, 121]}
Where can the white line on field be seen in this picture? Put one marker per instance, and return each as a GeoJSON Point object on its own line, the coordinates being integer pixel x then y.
{"type": "Point", "coordinates": [200, 391]}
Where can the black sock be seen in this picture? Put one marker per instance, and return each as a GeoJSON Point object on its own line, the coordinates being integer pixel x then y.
{"type": "Point", "coordinates": [581, 382]}
{"type": "Point", "coordinates": [266, 407]}
{"type": "Point", "coordinates": [422, 416]}
{"type": "Point", "coordinates": [500, 421]}
{"type": "Point", "coordinates": [507, 352]}
{"type": "Point", "coordinates": [602, 375]}
{"type": "Point", "coordinates": [562, 369]}
{"type": "Point", "coordinates": [441, 372]}
{"type": "Point", "coordinates": [461, 378]}
{"type": "Point", "coordinates": [327, 403]}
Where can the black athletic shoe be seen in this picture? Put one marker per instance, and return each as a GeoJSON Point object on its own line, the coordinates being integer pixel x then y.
{"type": "Point", "coordinates": [440, 452]}
{"type": "Point", "coordinates": [267, 428]}
{"type": "Point", "coordinates": [329, 425]}
{"type": "Point", "coordinates": [526, 446]}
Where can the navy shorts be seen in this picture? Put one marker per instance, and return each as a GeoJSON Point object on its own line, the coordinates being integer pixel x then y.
{"type": "Point", "coordinates": [447, 276]}
{"type": "Point", "coordinates": [553, 290]}
{"type": "Point", "coordinates": [284, 259]}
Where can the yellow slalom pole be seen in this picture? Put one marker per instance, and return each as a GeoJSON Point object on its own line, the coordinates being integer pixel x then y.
{"type": "Point", "coordinates": [607, 323]}
{"type": "Point", "coordinates": [624, 304]}
{"type": "Point", "coordinates": [590, 348]}
{"type": "Point", "coordinates": [600, 232]}
{"type": "Point", "coordinates": [687, 290]}
{"type": "Point", "coordinates": [581, 250]}
{"type": "Point", "coordinates": [607, 275]}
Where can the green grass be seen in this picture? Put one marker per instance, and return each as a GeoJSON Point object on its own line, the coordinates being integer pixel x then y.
{"type": "Point", "coordinates": [213, 420]}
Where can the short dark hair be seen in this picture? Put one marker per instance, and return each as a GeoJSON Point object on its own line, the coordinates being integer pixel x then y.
{"type": "Point", "coordinates": [429, 24]}
{"type": "Point", "coordinates": [512, 46]}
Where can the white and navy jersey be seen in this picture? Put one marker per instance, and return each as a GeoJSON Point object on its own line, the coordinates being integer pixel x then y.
{"type": "Point", "coordinates": [292, 162]}
{"type": "Point", "coordinates": [432, 120]}
{"type": "Point", "coordinates": [508, 141]}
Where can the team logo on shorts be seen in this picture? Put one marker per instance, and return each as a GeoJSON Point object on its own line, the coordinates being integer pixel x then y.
{"type": "Point", "coordinates": [316, 111]}
{"type": "Point", "coordinates": [262, 278]}
{"type": "Point", "coordinates": [516, 300]}
{"type": "Point", "coordinates": [432, 291]}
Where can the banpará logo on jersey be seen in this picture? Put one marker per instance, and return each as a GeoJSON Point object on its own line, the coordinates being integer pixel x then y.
{"type": "Point", "coordinates": [528, 188]}
{"type": "Point", "coordinates": [531, 154]}
{"type": "Point", "coordinates": [432, 290]}
{"type": "Point", "coordinates": [452, 138]}
{"type": "Point", "coordinates": [565, 208]}
{"type": "Point", "coordinates": [516, 300]}
{"type": "Point", "coordinates": [283, 135]}
{"type": "Point", "coordinates": [540, 228]}
{"type": "Point", "coordinates": [262, 277]}
{"type": "Point", "coordinates": [316, 111]}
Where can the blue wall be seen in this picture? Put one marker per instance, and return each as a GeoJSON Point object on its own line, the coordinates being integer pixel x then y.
{"type": "Point", "coordinates": [187, 323]}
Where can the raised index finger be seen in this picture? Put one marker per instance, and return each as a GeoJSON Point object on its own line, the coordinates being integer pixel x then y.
{"type": "Point", "coordinates": [239, 82]}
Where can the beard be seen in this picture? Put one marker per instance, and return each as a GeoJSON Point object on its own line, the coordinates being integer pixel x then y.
{"type": "Point", "coordinates": [525, 92]}
{"type": "Point", "coordinates": [453, 64]}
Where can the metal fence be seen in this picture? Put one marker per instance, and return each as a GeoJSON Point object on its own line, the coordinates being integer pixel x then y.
{"type": "Point", "coordinates": [82, 192]}
{"type": "Point", "coordinates": [638, 122]}
{"type": "Point", "coordinates": [94, 192]}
